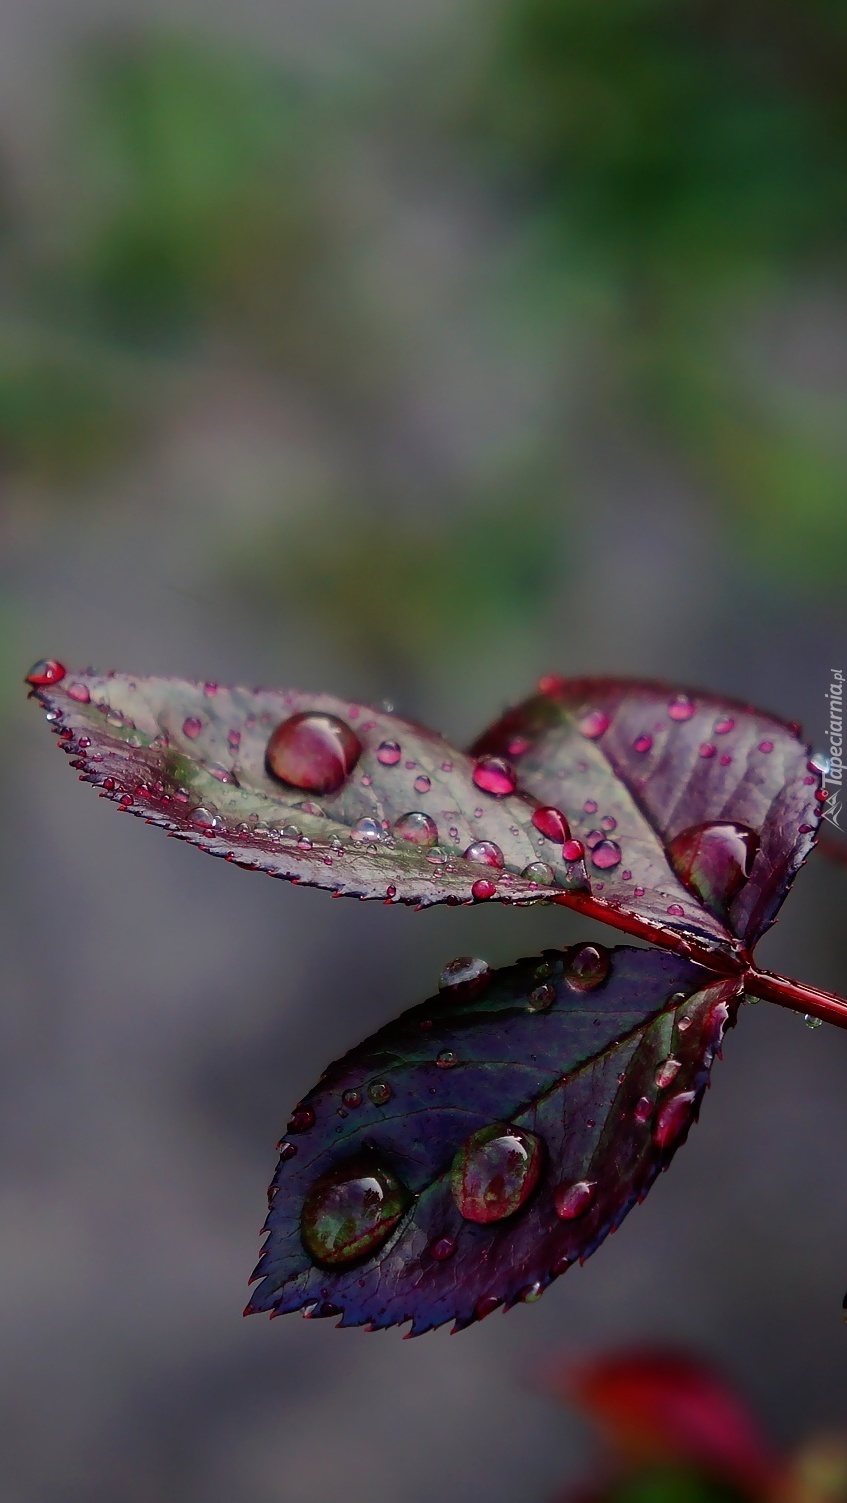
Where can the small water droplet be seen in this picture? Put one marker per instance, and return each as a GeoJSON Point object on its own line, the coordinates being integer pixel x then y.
{"type": "Point", "coordinates": [672, 1118]}
{"type": "Point", "coordinates": [551, 823]}
{"type": "Point", "coordinates": [541, 998]}
{"type": "Point", "coordinates": [417, 828]}
{"type": "Point", "coordinates": [207, 820]}
{"type": "Point", "coordinates": [46, 671]}
{"type": "Point", "coordinates": [643, 1109]}
{"type": "Point", "coordinates": [766, 746]}
{"type": "Point", "coordinates": [594, 724]}
{"type": "Point", "coordinates": [707, 749]}
{"type": "Point", "coordinates": [539, 873]}
{"type": "Point", "coordinates": [495, 1171]}
{"type": "Point", "coordinates": [587, 967]}
{"type": "Point", "coordinates": [287, 1151]}
{"type": "Point", "coordinates": [811, 1022]}
{"type": "Point", "coordinates": [681, 708]}
{"type": "Point", "coordinates": [573, 850]}
{"type": "Point", "coordinates": [486, 1306]}
{"type": "Point", "coordinates": [723, 726]}
{"type": "Point", "coordinates": [380, 1092]}
{"type": "Point", "coordinates": [485, 853]}
{"type": "Point", "coordinates": [493, 775]}
{"type": "Point", "coordinates": [667, 1072]}
{"type": "Point", "coordinates": [351, 1211]}
{"type": "Point", "coordinates": [518, 745]}
{"type": "Point", "coordinates": [78, 692]}
{"type": "Point", "coordinates": [447, 1059]}
{"type": "Point", "coordinates": [442, 1248]}
{"type": "Point", "coordinates": [301, 1119]}
{"type": "Point", "coordinates": [573, 1200]}
{"type": "Point", "coordinates": [642, 743]}
{"type": "Point", "coordinates": [551, 683]}
{"type": "Point", "coordinates": [531, 1293]}
{"type": "Point", "coordinates": [482, 890]}
{"type": "Point", "coordinates": [606, 855]}
{"type": "Point", "coordinates": [391, 891]}
{"type": "Point", "coordinates": [367, 831]}
{"type": "Point", "coordinates": [676, 910]}
{"type": "Point", "coordinates": [468, 972]}
{"type": "Point", "coordinates": [422, 784]}
{"type": "Point", "coordinates": [352, 1098]}
{"type": "Point", "coordinates": [314, 751]}
{"type": "Point", "coordinates": [191, 727]}
{"type": "Point", "coordinates": [590, 806]}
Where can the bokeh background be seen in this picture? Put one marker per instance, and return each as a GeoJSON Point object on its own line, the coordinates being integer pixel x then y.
{"type": "Point", "coordinates": [404, 351]}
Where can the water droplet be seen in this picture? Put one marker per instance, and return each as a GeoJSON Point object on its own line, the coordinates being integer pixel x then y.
{"type": "Point", "coordinates": [821, 794]}
{"type": "Point", "coordinates": [494, 776]}
{"type": "Point", "coordinates": [367, 831]}
{"type": "Point", "coordinates": [766, 746]}
{"type": "Point", "coordinates": [609, 822]}
{"type": "Point", "coordinates": [442, 1248]}
{"type": "Point", "coordinates": [724, 725]}
{"type": "Point", "coordinates": [518, 745]}
{"type": "Point", "coordinates": [380, 1092]}
{"type": "Point", "coordinates": [351, 1211]}
{"type": "Point", "coordinates": [672, 1118]}
{"type": "Point", "coordinates": [590, 806]}
{"type": "Point", "coordinates": [681, 708]}
{"type": "Point", "coordinates": [191, 727]}
{"type": "Point", "coordinates": [573, 850]}
{"type": "Point", "coordinates": [714, 861]}
{"type": "Point", "coordinates": [638, 892]}
{"type": "Point", "coordinates": [78, 692]}
{"type": "Point", "coordinates": [301, 1119]}
{"type": "Point", "coordinates": [642, 744]}
{"type": "Point", "coordinates": [314, 751]}
{"type": "Point", "coordinates": [422, 784]}
{"type": "Point", "coordinates": [551, 683]}
{"type": "Point", "coordinates": [287, 1150]}
{"type": "Point", "coordinates": [811, 1022]}
{"type": "Point", "coordinates": [587, 967]}
{"type": "Point", "coordinates": [606, 855]}
{"type": "Point", "coordinates": [485, 853]}
{"type": "Point", "coordinates": [531, 1293]}
{"type": "Point", "coordinates": [725, 760]}
{"type": "Point", "coordinates": [467, 971]}
{"type": "Point", "coordinates": [447, 1059]}
{"type": "Point", "coordinates": [667, 1072]}
{"type": "Point", "coordinates": [486, 1306]}
{"type": "Point", "coordinates": [45, 671]}
{"type": "Point", "coordinates": [541, 998]}
{"type": "Point", "coordinates": [676, 910]}
{"type": "Point", "coordinates": [643, 1109]}
{"type": "Point", "coordinates": [206, 820]}
{"type": "Point", "coordinates": [391, 892]}
{"type": "Point", "coordinates": [389, 753]}
{"type": "Point", "coordinates": [573, 1200]}
{"type": "Point", "coordinates": [539, 873]}
{"type": "Point", "coordinates": [594, 724]}
{"type": "Point", "coordinates": [417, 828]}
{"type": "Point", "coordinates": [707, 749]}
{"type": "Point", "coordinates": [352, 1098]}
{"type": "Point", "coordinates": [552, 824]}
{"type": "Point", "coordinates": [482, 890]}
{"type": "Point", "coordinates": [495, 1171]}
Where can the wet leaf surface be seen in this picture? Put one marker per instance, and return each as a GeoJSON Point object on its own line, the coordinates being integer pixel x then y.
{"type": "Point", "coordinates": [469, 1152]}
{"type": "Point", "coordinates": [305, 786]}
{"type": "Point", "coordinates": [696, 811]}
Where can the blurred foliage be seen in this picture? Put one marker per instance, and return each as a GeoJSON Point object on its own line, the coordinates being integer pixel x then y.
{"type": "Point", "coordinates": [680, 162]}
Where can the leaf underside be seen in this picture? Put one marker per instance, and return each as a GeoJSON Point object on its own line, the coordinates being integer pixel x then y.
{"type": "Point", "coordinates": [190, 758]}
{"type": "Point", "coordinates": [609, 1080]}
{"type": "Point", "coordinates": [653, 762]}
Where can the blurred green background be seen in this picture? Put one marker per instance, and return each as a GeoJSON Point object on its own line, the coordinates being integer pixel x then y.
{"type": "Point", "coordinates": [410, 353]}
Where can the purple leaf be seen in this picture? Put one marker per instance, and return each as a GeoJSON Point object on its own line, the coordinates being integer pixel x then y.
{"type": "Point", "coordinates": [697, 812]}
{"type": "Point", "coordinates": [469, 1152]}
{"type": "Point", "coordinates": [308, 787]}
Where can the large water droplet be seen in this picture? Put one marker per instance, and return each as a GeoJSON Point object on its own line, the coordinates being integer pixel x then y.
{"type": "Point", "coordinates": [367, 831]}
{"type": "Point", "coordinates": [539, 873]}
{"type": "Point", "coordinates": [417, 828]}
{"type": "Point", "coordinates": [672, 1118]}
{"type": "Point", "coordinates": [191, 727]}
{"type": "Point", "coordinates": [301, 1119]}
{"type": "Point", "coordinates": [389, 753]}
{"type": "Point", "coordinates": [605, 855]}
{"type": "Point", "coordinates": [587, 967]}
{"type": "Point", "coordinates": [667, 1072]}
{"type": "Point", "coordinates": [494, 776]}
{"type": "Point", "coordinates": [351, 1211]}
{"type": "Point", "coordinates": [552, 824]}
{"type": "Point", "coordinates": [79, 693]}
{"type": "Point", "coordinates": [681, 708]}
{"type": "Point", "coordinates": [495, 1171]}
{"type": "Point", "coordinates": [380, 1092]}
{"type": "Point", "coordinates": [594, 724]}
{"type": "Point", "coordinates": [714, 861]}
{"type": "Point", "coordinates": [573, 1200]}
{"type": "Point", "coordinates": [485, 853]}
{"type": "Point", "coordinates": [45, 671]}
{"type": "Point", "coordinates": [314, 751]}
{"type": "Point", "coordinates": [468, 972]}
{"type": "Point", "coordinates": [482, 889]}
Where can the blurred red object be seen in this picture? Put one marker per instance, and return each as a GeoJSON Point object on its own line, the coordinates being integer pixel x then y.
{"type": "Point", "coordinates": [658, 1406]}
